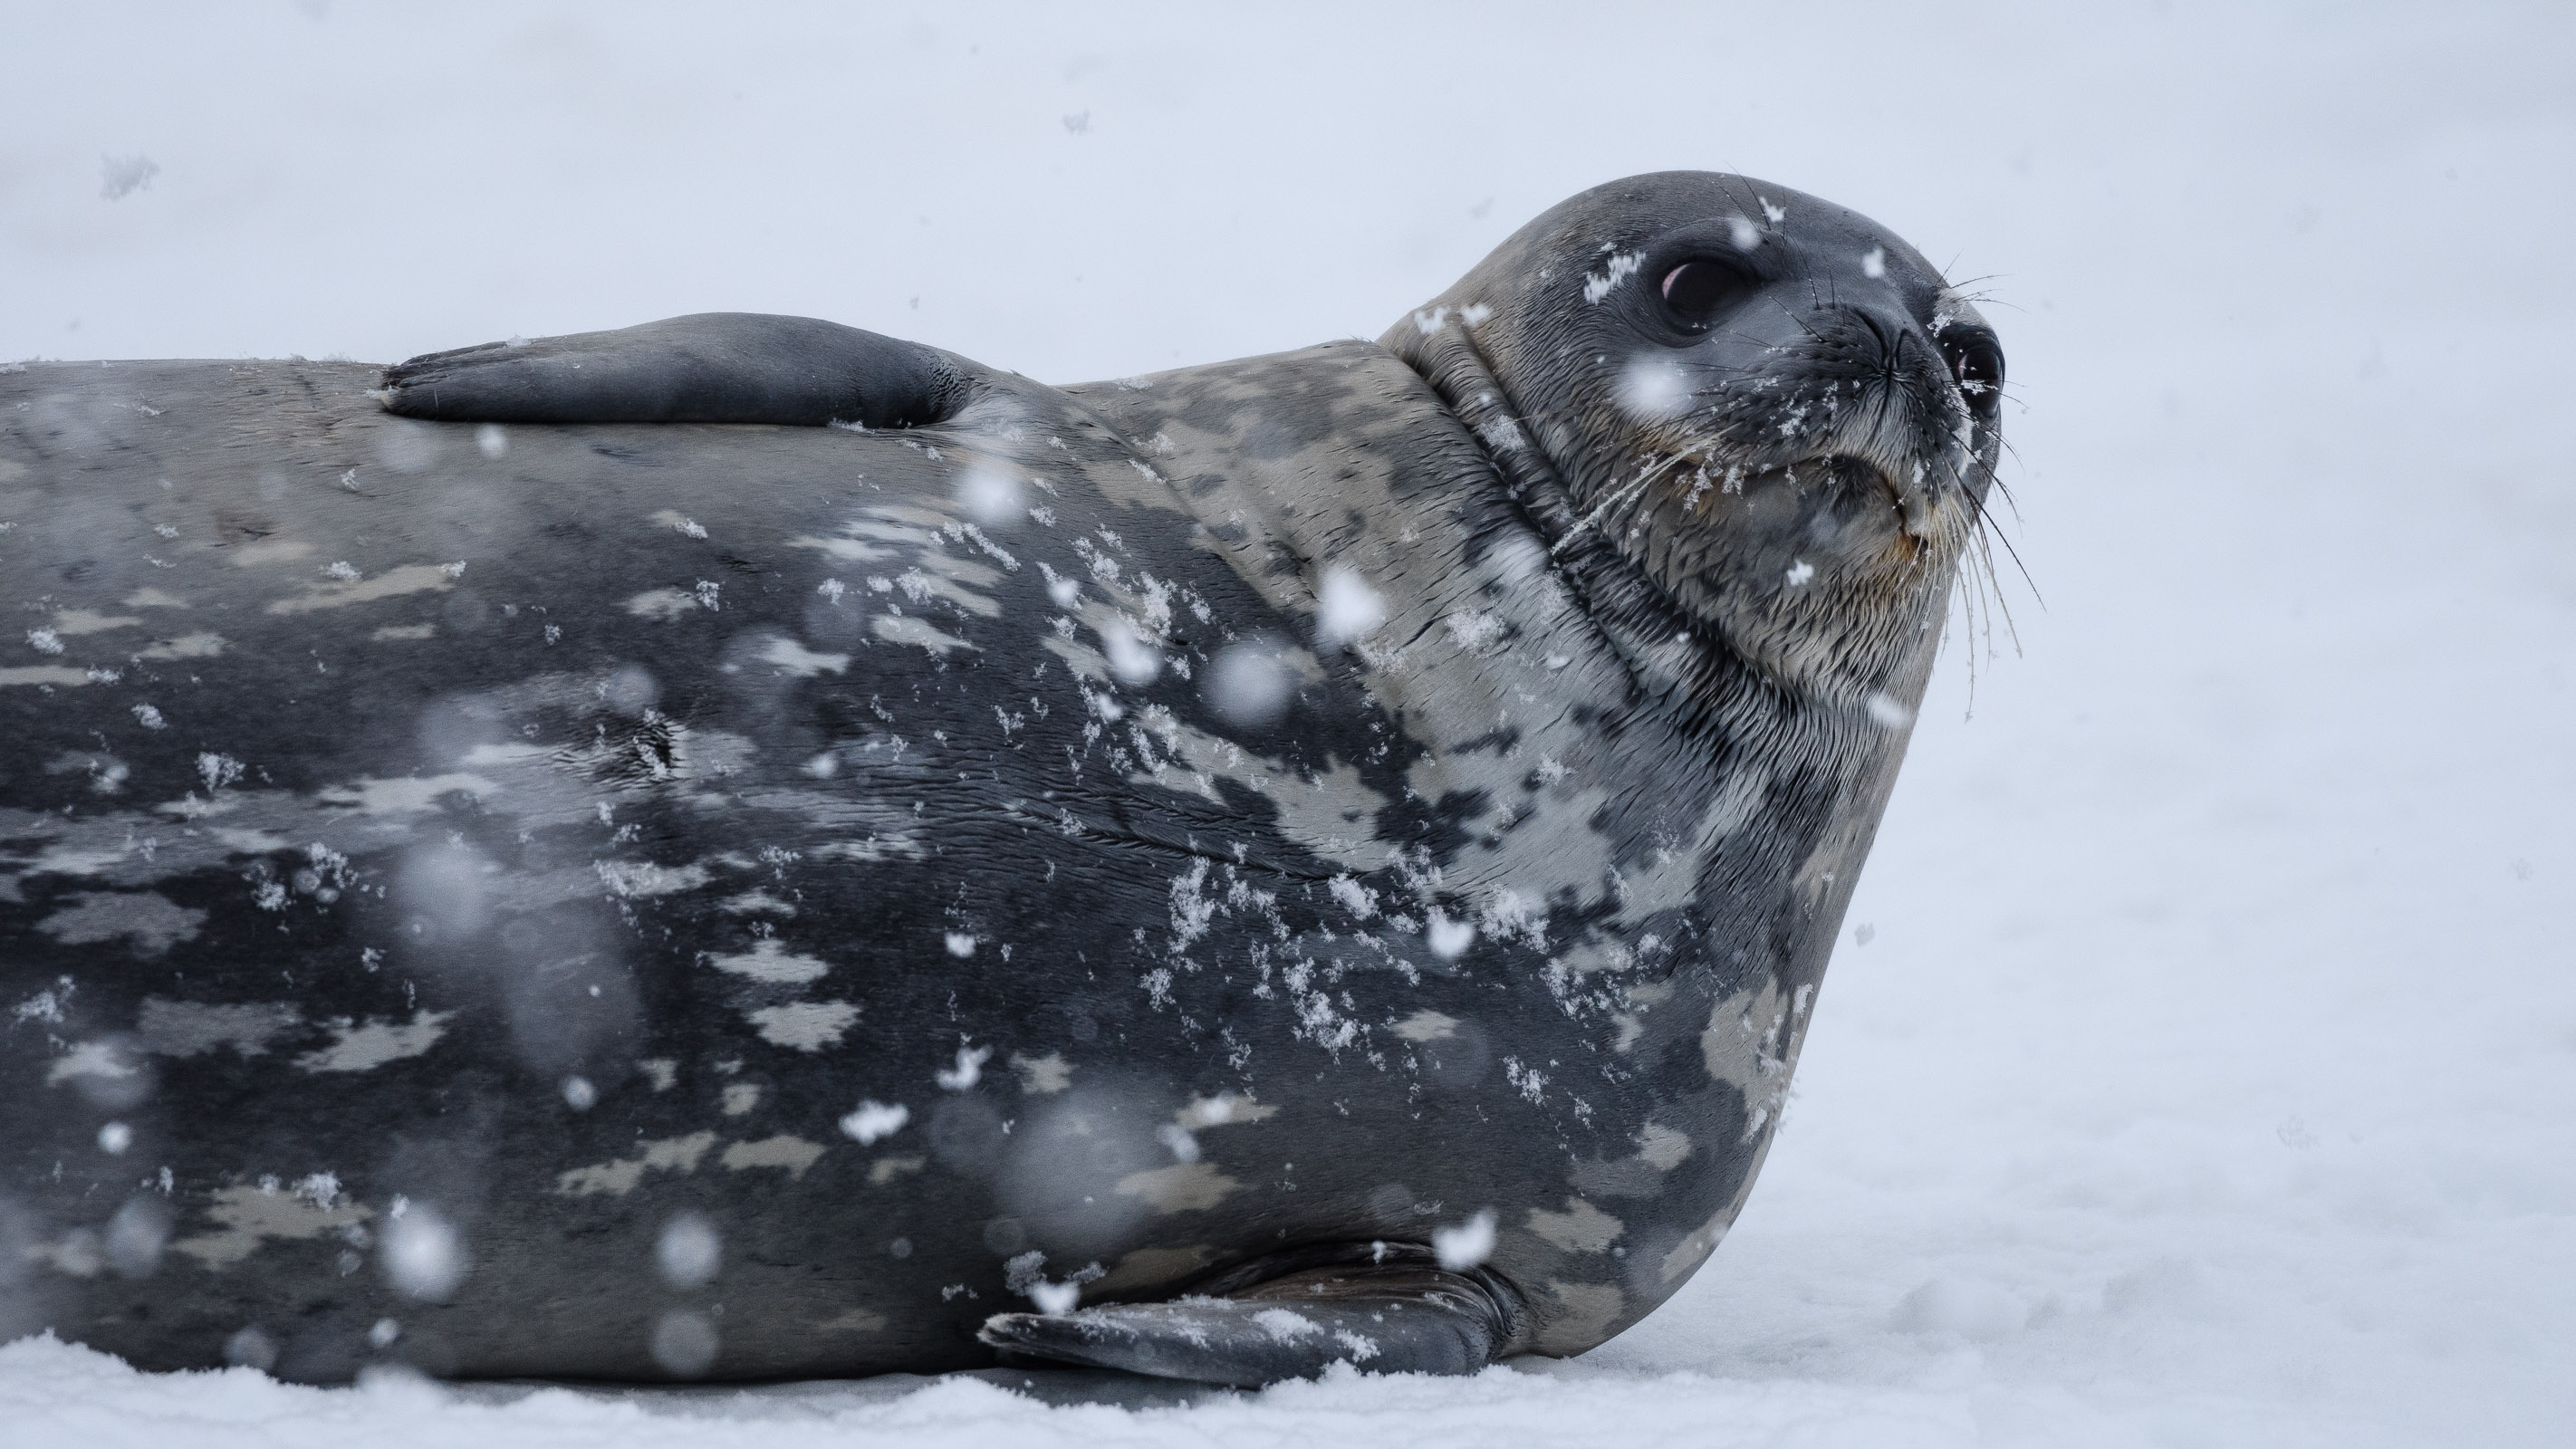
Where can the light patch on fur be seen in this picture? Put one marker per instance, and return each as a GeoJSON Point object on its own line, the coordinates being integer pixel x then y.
{"type": "Point", "coordinates": [887, 1169]}
{"type": "Point", "coordinates": [908, 629]}
{"type": "Point", "coordinates": [634, 878]}
{"type": "Point", "coordinates": [366, 1045]}
{"type": "Point", "coordinates": [793, 1153]}
{"type": "Point", "coordinates": [804, 663]}
{"type": "Point", "coordinates": [1582, 1317]}
{"type": "Point", "coordinates": [770, 962]}
{"type": "Point", "coordinates": [48, 674]}
{"type": "Point", "coordinates": [186, 646]}
{"type": "Point", "coordinates": [71, 623]}
{"type": "Point", "coordinates": [662, 604]}
{"type": "Point", "coordinates": [805, 1026]}
{"type": "Point", "coordinates": [150, 922]}
{"type": "Point", "coordinates": [855, 1320]}
{"type": "Point", "coordinates": [1181, 1188]}
{"type": "Point", "coordinates": [1223, 1109]}
{"type": "Point", "coordinates": [1581, 1228]}
{"type": "Point", "coordinates": [1041, 1075]}
{"type": "Point", "coordinates": [246, 1217]}
{"type": "Point", "coordinates": [1427, 1025]}
{"type": "Point", "coordinates": [1149, 1268]}
{"type": "Point", "coordinates": [618, 1178]}
{"type": "Point", "coordinates": [192, 1028]}
{"type": "Point", "coordinates": [397, 633]}
{"type": "Point", "coordinates": [740, 1097]}
{"type": "Point", "coordinates": [392, 583]}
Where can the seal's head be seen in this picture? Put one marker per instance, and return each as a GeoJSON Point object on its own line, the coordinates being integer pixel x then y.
{"type": "Point", "coordinates": [1774, 408]}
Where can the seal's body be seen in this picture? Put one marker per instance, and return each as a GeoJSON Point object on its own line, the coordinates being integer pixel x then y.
{"type": "Point", "coordinates": [1349, 837]}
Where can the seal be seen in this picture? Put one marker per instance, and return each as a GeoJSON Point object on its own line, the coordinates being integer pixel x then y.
{"type": "Point", "coordinates": [583, 870]}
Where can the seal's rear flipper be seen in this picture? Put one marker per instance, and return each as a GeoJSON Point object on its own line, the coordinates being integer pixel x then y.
{"type": "Point", "coordinates": [1393, 1318]}
{"type": "Point", "coordinates": [713, 367]}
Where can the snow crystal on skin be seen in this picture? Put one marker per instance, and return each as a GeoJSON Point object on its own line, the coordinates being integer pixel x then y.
{"type": "Point", "coordinates": [618, 1178]}
{"type": "Point", "coordinates": [149, 717]}
{"type": "Point", "coordinates": [785, 1150]}
{"type": "Point", "coordinates": [1799, 572]}
{"type": "Point", "coordinates": [1886, 710]}
{"type": "Point", "coordinates": [1465, 1245]}
{"type": "Point", "coordinates": [643, 879]}
{"type": "Point", "coordinates": [968, 1071]}
{"type": "Point", "coordinates": [873, 1121]}
{"type": "Point", "coordinates": [1284, 1326]}
{"type": "Point", "coordinates": [1622, 265]}
{"type": "Point", "coordinates": [247, 1217]}
{"type": "Point", "coordinates": [769, 962]}
{"type": "Point", "coordinates": [1743, 233]}
{"type": "Point", "coordinates": [114, 1138]}
{"type": "Point", "coordinates": [492, 440]}
{"type": "Point", "coordinates": [959, 944]}
{"type": "Point", "coordinates": [1355, 898]}
{"type": "Point", "coordinates": [1873, 263]}
{"type": "Point", "coordinates": [805, 1026]}
{"type": "Point", "coordinates": [579, 1094]}
{"type": "Point", "coordinates": [679, 523]}
{"type": "Point", "coordinates": [366, 1045]}
{"type": "Point", "coordinates": [1176, 1137]}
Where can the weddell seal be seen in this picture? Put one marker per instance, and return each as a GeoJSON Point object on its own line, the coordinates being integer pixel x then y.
{"type": "Point", "coordinates": [1319, 858]}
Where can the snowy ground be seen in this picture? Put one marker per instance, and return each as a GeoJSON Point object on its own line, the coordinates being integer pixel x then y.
{"type": "Point", "coordinates": [2206, 1073]}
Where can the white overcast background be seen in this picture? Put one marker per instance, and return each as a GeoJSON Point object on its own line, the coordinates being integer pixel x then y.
{"type": "Point", "coordinates": [2208, 1075]}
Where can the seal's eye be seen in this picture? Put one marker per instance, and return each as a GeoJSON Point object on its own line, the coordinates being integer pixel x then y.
{"type": "Point", "coordinates": [1978, 364]}
{"type": "Point", "coordinates": [1697, 293]}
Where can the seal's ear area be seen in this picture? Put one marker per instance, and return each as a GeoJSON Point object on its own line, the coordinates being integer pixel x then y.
{"type": "Point", "coordinates": [1406, 1318]}
{"type": "Point", "coordinates": [713, 367]}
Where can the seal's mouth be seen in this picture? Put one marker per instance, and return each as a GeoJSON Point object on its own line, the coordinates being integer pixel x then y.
{"type": "Point", "coordinates": [1908, 486]}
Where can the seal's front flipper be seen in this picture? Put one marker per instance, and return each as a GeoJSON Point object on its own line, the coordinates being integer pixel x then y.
{"type": "Point", "coordinates": [1391, 1318]}
{"type": "Point", "coordinates": [714, 367]}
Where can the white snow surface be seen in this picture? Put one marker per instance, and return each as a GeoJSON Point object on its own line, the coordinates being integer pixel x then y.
{"type": "Point", "coordinates": [2205, 1075]}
